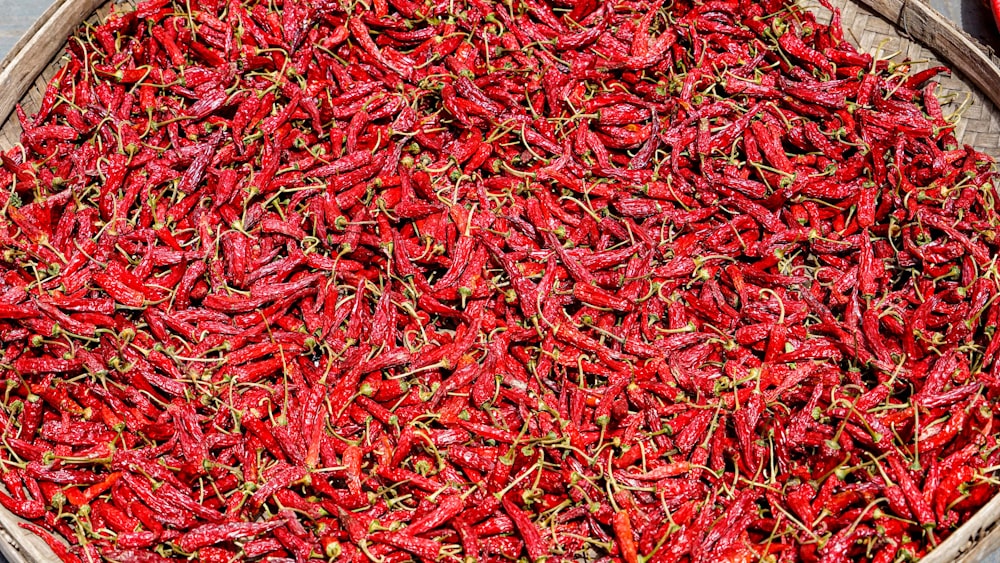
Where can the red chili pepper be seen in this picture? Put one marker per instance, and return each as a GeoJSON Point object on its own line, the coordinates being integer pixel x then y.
{"type": "Point", "coordinates": [626, 538]}
{"type": "Point", "coordinates": [209, 534]}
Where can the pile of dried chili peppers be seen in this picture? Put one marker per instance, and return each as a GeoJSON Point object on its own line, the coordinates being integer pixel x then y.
{"type": "Point", "coordinates": [467, 280]}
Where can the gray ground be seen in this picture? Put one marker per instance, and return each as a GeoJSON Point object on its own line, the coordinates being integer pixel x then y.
{"type": "Point", "coordinates": [16, 16]}
{"type": "Point", "coordinates": [971, 15]}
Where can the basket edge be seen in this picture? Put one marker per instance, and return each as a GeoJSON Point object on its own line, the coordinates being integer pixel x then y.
{"type": "Point", "coordinates": [980, 66]}
{"type": "Point", "coordinates": [35, 49]}
{"type": "Point", "coordinates": [927, 26]}
{"type": "Point", "coordinates": [19, 546]}
{"type": "Point", "coordinates": [957, 548]}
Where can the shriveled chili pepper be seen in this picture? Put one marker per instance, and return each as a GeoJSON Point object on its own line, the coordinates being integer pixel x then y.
{"type": "Point", "coordinates": [351, 282]}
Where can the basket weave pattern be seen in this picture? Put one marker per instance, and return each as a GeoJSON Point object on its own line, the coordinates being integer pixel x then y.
{"type": "Point", "coordinates": [979, 125]}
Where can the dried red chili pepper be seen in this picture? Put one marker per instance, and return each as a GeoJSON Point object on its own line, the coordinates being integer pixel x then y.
{"type": "Point", "coordinates": [499, 262]}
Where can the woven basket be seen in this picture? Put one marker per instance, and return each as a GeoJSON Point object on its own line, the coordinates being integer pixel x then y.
{"type": "Point", "coordinates": [898, 29]}
{"type": "Point", "coordinates": [912, 30]}
{"type": "Point", "coordinates": [901, 30]}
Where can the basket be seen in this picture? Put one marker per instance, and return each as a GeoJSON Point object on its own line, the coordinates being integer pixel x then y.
{"type": "Point", "coordinates": [890, 29]}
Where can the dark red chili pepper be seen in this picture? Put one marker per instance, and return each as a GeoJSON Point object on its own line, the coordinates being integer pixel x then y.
{"type": "Point", "coordinates": [209, 534]}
